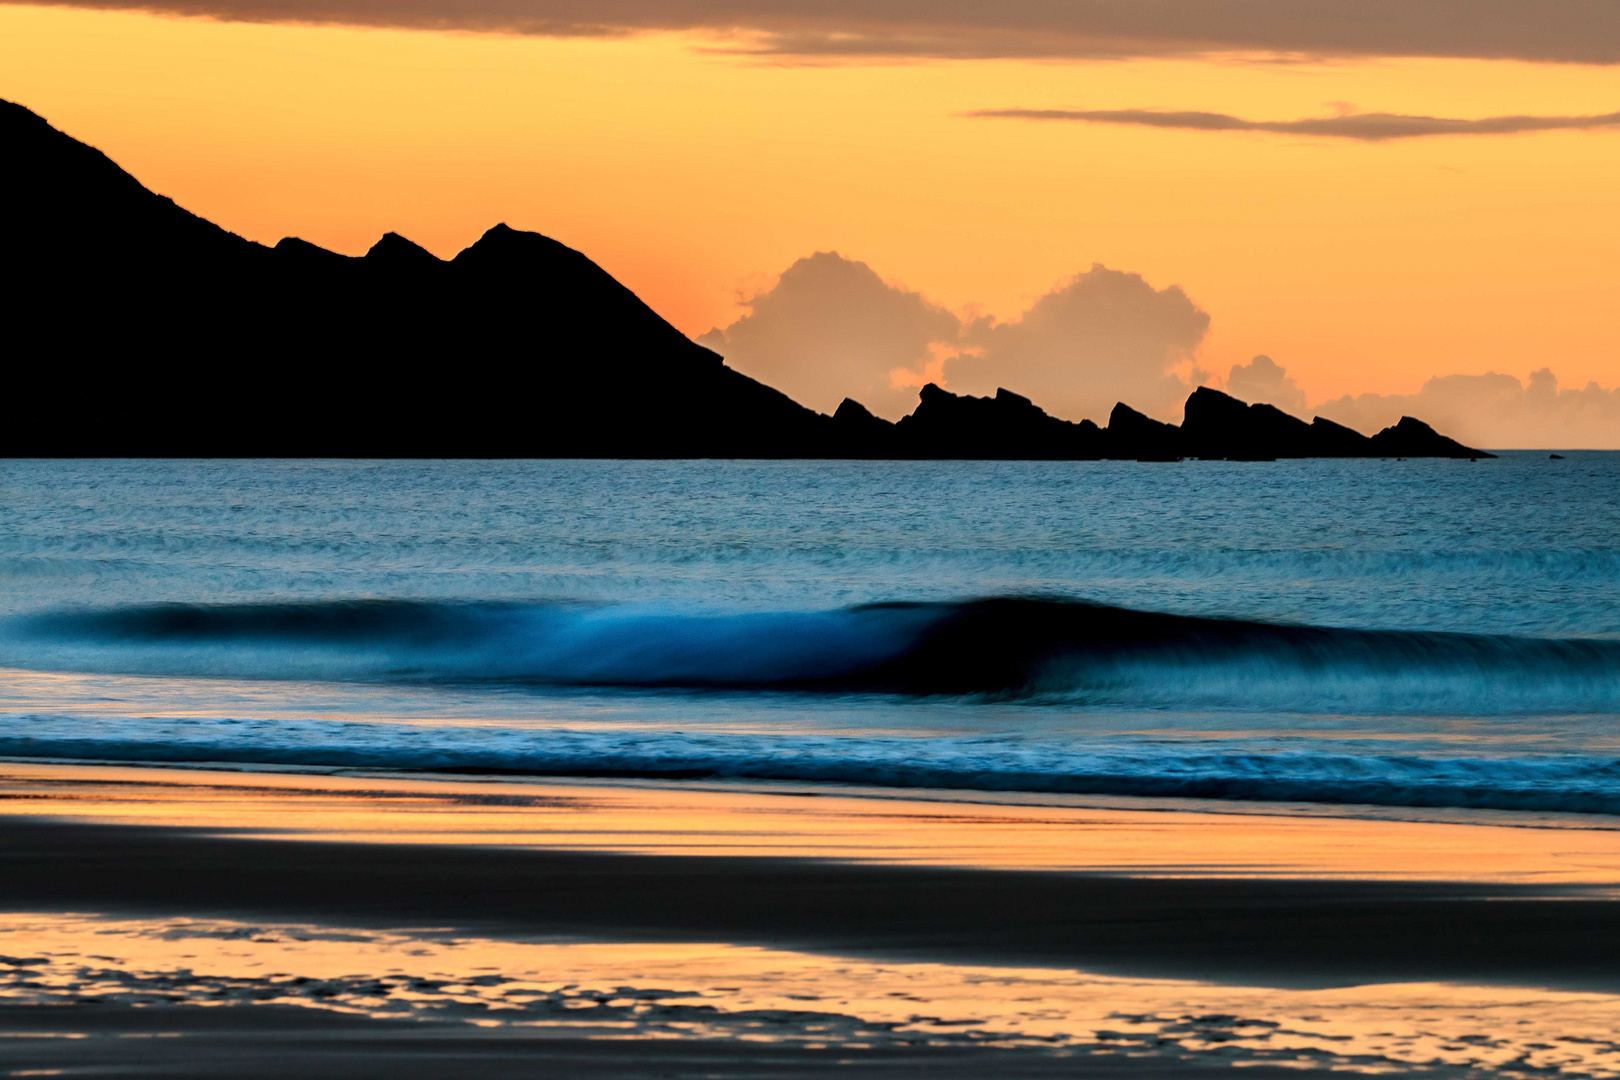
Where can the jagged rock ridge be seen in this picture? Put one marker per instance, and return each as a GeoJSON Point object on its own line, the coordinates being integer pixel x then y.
{"type": "Point", "coordinates": [1217, 426]}
{"type": "Point", "coordinates": [136, 328]}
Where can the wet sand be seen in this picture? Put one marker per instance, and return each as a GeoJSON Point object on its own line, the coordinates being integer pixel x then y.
{"type": "Point", "coordinates": [1096, 835]}
{"type": "Point", "coordinates": [1255, 899]}
{"type": "Point", "coordinates": [273, 1043]}
{"type": "Point", "coordinates": [1249, 931]}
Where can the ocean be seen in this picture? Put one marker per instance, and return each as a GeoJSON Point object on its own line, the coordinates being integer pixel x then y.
{"type": "Point", "coordinates": [1390, 633]}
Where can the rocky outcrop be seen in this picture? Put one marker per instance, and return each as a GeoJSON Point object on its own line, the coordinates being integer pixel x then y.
{"type": "Point", "coordinates": [1220, 426]}
{"type": "Point", "coordinates": [1217, 427]}
{"type": "Point", "coordinates": [1336, 440]}
{"type": "Point", "coordinates": [1133, 436]}
{"type": "Point", "coordinates": [862, 435]}
{"type": "Point", "coordinates": [1414, 438]}
{"type": "Point", "coordinates": [1007, 426]}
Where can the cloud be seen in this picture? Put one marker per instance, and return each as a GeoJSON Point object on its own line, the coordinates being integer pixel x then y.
{"type": "Point", "coordinates": [1263, 379]}
{"type": "Point", "coordinates": [1101, 337]}
{"type": "Point", "coordinates": [1564, 31]}
{"type": "Point", "coordinates": [1495, 411]}
{"type": "Point", "coordinates": [831, 328]}
{"type": "Point", "coordinates": [1363, 127]}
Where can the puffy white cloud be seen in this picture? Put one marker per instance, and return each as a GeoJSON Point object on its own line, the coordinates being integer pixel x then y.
{"type": "Point", "coordinates": [831, 328]}
{"type": "Point", "coordinates": [1101, 337]}
{"type": "Point", "coordinates": [1495, 411]}
{"type": "Point", "coordinates": [1263, 379]}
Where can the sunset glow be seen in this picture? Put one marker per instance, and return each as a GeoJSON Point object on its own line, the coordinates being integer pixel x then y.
{"type": "Point", "coordinates": [696, 171]}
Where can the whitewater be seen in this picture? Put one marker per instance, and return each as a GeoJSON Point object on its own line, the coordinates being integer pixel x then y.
{"type": "Point", "coordinates": [1392, 633]}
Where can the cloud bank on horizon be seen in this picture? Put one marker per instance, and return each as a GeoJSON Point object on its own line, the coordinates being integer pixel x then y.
{"type": "Point", "coordinates": [1556, 31]}
{"type": "Point", "coordinates": [1263, 379]}
{"type": "Point", "coordinates": [1492, 409]}
{"type": "Point", "coordinates": [1101, 337]}
{"type": "Point", "coordinates": [832, 328]}
{"type": "Point", "coordinates": [1495, 410]}
{"type": "Point", "coordinates": [1363, 127]}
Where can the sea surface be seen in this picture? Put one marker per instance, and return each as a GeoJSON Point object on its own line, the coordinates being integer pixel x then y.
{"type": "Point", "coordinates": [1395, 633]}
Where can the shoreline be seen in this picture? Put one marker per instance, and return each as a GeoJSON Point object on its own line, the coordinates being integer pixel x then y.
{"type": "Point", "coordinates": [1098, 834]}
{"type": "Point", "coordinates": [1243, 931]}
{"type": "Point", "coordinates": [987, 797]}
{"type": "Point", "coordinates": [1161, 893]}
{"type": "Point", "coordinates": [182, 922]}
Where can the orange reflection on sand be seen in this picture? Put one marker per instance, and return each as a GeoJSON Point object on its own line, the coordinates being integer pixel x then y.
{"type": "Point", "coordinates": [1130, 836]}
{"type": "Point", "coordinates": [609, 989]}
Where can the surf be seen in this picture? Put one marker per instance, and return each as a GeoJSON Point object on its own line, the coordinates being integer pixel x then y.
{"type": "Point", "coordinates": [1039, 650]}
{"type": "Point", "coordinates": [1559, 783]}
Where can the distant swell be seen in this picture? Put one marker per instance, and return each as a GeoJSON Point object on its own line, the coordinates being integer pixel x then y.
{"type": "Point", "coordinates": [1567, 783]}
{"type": "Point", "coordinates": [1036, 649]}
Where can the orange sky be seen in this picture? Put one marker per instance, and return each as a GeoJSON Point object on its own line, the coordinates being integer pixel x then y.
{"type": "Point", "coordinates": [693, 173]}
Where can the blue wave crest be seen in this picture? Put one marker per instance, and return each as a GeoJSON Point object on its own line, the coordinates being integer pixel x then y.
{"type": "Point", "coordinates": [1031, 648]}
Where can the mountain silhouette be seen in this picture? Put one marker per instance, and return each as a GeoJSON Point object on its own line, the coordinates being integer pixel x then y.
{"type": "Point", "coordinates": [138, 329]}
{"type": "Point", "coordinates": [142, 329]}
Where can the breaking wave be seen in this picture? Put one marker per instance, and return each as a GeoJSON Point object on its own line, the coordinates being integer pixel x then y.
{"type": "Point", "coordinates": [1040, 650]}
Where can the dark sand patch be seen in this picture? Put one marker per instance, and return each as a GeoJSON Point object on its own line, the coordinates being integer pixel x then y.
{"type": "Point", "coordinates": [275, 1042]}
{"type": "Point", "coordinates": [1249, 931]}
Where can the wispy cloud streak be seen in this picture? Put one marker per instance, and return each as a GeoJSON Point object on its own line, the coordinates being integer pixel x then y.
{"type": "Point", "coordinates": [1559, 31]}
{"type": "Point", "coordinates": [1364, 127]}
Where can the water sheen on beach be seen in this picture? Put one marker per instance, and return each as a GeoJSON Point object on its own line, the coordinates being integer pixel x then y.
{"type": "Point", "coordinates": [1423, 633]}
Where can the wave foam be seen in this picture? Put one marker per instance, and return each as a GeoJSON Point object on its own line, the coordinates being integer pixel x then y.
{"type": "Point", "coordinates": [1568, 783]}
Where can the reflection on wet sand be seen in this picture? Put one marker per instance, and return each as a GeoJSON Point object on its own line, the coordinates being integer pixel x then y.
{"type": "Point", "coordinates": [1138, 837]}
{"type": "Point", "coordinates": [716, 991]}
{"type": "Point", "coordinates": [727, 919]}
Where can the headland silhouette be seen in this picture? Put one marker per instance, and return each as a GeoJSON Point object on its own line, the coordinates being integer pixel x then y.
{"type": "Point", "coordinates": [138, 329]}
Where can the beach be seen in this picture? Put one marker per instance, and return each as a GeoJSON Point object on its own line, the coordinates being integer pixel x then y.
{"type": "Point", "coordinates": [775, 930]}
{"type": "Point", "coordinates": [750, 540]}
{"type": "Point", "coordinates": [781, 768]}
